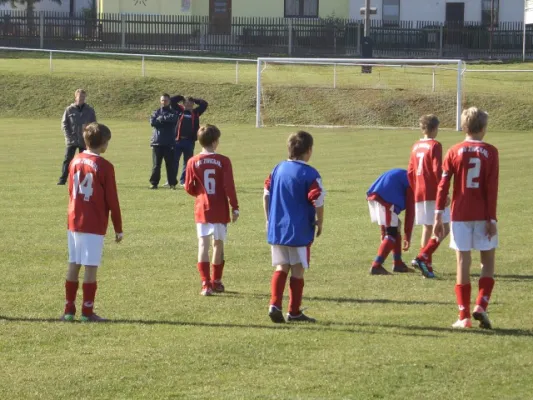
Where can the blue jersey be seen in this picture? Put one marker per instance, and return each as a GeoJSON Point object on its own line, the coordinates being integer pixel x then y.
{"type": "Point", "coordinates": [392, 187]}
{"type": "Point", "coordinates": [295, 188]}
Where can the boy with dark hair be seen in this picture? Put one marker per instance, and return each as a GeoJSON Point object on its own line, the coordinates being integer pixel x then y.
{"type": "Point", "coordinates": [92, 195]}
{"type": "Point", "coordinates": [163, 121]}
{"type": "Point", "coordinates": [424, 172]}
{"type": "Point", "coordinates": [293, 202]}
{"type": "Point", "coordinates": [186, 129]}
{"type": "Point", "coordinates": [474, 166]}
{"type": "Point", "coordinates": [210, 180]}
{"type": "Point", "coordinates": [388, 196]}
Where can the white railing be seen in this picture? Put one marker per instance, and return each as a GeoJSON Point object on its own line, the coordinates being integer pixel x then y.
{"type": "Point", "coordinates": [143, 57]}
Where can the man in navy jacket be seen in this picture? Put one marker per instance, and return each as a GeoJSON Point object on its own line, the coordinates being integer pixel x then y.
{"type": "Point", "coordinates": [186, 134]}
{"type": "Point", "coordinates": [163, 121]}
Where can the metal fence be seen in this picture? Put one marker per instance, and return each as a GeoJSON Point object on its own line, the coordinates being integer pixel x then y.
{"type": "Point", "coordinates": [260, 36]}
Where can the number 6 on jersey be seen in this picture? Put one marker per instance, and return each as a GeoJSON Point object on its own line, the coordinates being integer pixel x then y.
{"type": "Point", "coordinates": [209, 181]}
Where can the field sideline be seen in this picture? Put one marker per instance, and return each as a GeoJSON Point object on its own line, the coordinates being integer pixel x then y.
{"type": "Point", "coordinates": [377, 337]}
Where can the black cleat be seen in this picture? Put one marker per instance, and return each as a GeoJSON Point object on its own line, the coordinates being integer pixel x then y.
{"type": "Point", "coordinates": [300, 318]}
{"type": "Point", "coordinates": [402, 268]}
{"type": "Point", "coordinates": [379, 271]}
{"type": "Point", "coordinates": [483, 318]}
{"type": "Point", "coordinates": [276, 315]}
{"type": "Point", "coordinates": [153, 187]}
{"type": "Point", "coordinates": [61, 183]}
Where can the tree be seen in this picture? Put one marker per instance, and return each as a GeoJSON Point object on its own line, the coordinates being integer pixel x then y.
{"type": "Point", "coordinates": [30, 8]}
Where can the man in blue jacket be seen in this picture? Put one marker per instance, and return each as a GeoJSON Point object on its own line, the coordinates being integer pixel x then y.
{"type": "Point", "coordinates": [163, 121]}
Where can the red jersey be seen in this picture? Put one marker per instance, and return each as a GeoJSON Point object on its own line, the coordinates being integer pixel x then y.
{"type": "Point", "coordinates": [425, 169]}
{"type": "Point", "coordinates": [209, 178]}
{"type": "Point", "coordinates": [92, 195]}
{"type": "Point", "coordinates": [474, 165]}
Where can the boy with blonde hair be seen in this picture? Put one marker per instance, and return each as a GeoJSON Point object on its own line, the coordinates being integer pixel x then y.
{"type": "Point", "coordinates": [474, 166]}
{"type": "Point", "coordinates": [92, 195]}
{"type": "Point", "coordinates": [424, 172]}
{"type": "Point", "coordinates": [209, 178]}
{"type": "Point", "coordinates": [293, 202]}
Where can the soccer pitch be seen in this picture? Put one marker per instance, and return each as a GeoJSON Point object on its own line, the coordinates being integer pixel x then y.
{"type": "Point", "coordinates": [377, 337]}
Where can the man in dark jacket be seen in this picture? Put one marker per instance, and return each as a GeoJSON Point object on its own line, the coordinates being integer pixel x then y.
{"type": "Point", "coordinates": [186, 129]}
{"type": "Point", "coordinates": [75, 118]}
{"type": "Point", "coordinates": [163, 122]}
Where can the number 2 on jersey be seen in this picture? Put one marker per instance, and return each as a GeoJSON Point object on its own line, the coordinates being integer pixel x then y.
{"type": "Point", "coordinates": [474, 171]}
{"type": "Point", "coordinates": [420, 157]}
{"type": "Point", "coordinates": [85, 187]}
{"type": "Point", "coordinates": [209, 181]}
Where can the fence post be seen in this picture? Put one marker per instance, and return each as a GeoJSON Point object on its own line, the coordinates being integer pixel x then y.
{"type": "Point", "coordinates": [290, 38]}
{"type": "Point", "coordinates": [358, 39]}
{"type": "Point", "coordinates": [334, 76]}
{"type": "Point", "coordinates": [237, 73]}
{"type": "Point", "coordinates": [433, 83]}
{"type": "Point", "coordinates": [51, 65]}
{"type": "Point", "coordinates": [123, 30]}
{"type": "Point", "coordinates": [143, 70]}
{"type": "Point", "coordinates": [41, 29]}
{"type": "Point", "coordinates": [441, 41]}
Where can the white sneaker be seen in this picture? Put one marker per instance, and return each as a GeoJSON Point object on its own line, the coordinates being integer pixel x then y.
{"type": "Point", "coordinates": [165, 184]}
{"type": "Point", "coordinates": [206, 291]}
{"type": "Point", "coordinates": [480, 315]}
{"type": "Point", "coordinates": [463, 323]}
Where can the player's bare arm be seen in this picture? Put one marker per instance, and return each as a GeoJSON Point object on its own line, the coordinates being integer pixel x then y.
{"type": "Point", "coordinates": [319, 220]}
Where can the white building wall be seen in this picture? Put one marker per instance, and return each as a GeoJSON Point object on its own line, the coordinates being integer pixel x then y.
{"type": "Point", "coordinates": [435, 10]}
{"type": "Point", "coordinates": [47, 5]}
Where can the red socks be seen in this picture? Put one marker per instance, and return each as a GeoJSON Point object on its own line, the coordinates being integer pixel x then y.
{"type": "Point", "coordinates": [295, 295]}
{"type": "Point", "coordinates": [217, 269]}
{"type": "Point", "coordinates": [277, 287]}
{"type": "Point", "coordinates": [387, 245]}
{"type": "Point", "coordinates": [71, 290]}
{"type": "Point", "coordinates": [430, 248]}
{"type": "Point", "coordinates": [89, 293]}
{"type": "Point", "coordinates": [397, 252]}
{"type": "Point", "coordinates": [485, 289]}
{"type": "Point", "coordinates": [203, 269]}
{"type": "Point", "coordinates": [463, 293]}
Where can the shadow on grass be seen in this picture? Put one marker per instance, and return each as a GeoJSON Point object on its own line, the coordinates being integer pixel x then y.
{"type": "Point", "coordinates": [319, 327]}
{"type": "Point", "coordinates": [510, 277]}
{"type": "Point", "coordinates": [347, 299]}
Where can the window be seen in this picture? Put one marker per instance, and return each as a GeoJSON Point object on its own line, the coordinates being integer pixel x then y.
{"type": "Point", "coordinates": [490, 15]}
{"type": "Point", "coordinates": [391, 12]}
{"type": "Point", "coordinates": [301, 8]}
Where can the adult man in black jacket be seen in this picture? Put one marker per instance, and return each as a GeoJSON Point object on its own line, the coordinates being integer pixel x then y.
{"type": "Point", "coordinates": [186, 129]}
{"type": "Point", "coordinates": [163, 121]}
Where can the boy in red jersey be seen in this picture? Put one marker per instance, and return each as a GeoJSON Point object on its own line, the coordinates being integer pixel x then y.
{"type": "Point", "coordinates": [474, 165]}
{"type": "Point", "coordinates": [92, 195]}
{"type": "Point", "coordinates": [424, 173]}
{"type": "Point", "coordinates": [209, 178]}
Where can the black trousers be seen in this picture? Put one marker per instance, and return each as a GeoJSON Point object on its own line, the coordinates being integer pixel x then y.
{"type": "Point", "coordinates": [70, 152]}
{"type": "Point", "coordinates": [158, 154]}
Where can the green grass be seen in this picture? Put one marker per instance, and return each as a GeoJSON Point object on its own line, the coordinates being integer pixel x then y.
{"type": "Point", "coordinates": [301, 95]}
{"type": "Point", "coordinates": [377, 337]}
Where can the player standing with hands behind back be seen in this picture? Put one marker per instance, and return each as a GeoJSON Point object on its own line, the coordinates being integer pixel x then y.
{"type": "Point", "coordinates": [474, 166]}
{"type": "Point", "coordinates": [294, 208]}
{"type": "Point", "coordinates": [209, 179]}
{"type": "Point", "coordinates": [92, 195]}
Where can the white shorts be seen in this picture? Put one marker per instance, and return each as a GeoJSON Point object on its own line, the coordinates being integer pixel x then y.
{"type": "Point", "coordinates": [425, 213]}
{"type": "Point", "coordinates": [382, 215]}
{"type": "Point", "coordinates": [218, 231]}
{"type": "Point", "coordinates": [470, 235]}
{"type": "Point", "coordinates": [85, 248]}
{"type": "Point", "coordinates": [285, 255]}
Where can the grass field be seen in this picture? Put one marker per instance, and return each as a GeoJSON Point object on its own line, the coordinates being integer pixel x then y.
{"type": "Point", "coordinates": [377, 337]}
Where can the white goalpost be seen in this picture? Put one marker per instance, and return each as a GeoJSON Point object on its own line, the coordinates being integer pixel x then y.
{"type": "Point", "coordinates": [332, 92]}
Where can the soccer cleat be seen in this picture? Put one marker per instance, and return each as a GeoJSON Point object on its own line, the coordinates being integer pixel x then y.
{"type": "Point", "coordinates": [218, 287]}
{"type": "Point", "coordinates": [92, 318]}
{"type": "Point", "coordinates": [421, 265]}
{"type": "Point", "coordinates": [67, 318]}
{"type": "Point", "coordinates": [166, 184]}
{"type": "Point", "coordinates": [206, 291]}
{"type": "Point", "coordinates": [300, 318]}
{"type": "Point", "coordinates": [402, 268]}
{"type": "Point", "coordinates": [462, 323]}
{"type": "Point", "coordinates": [276, 315]}
{"type": "Point", "coordinates": [480, 315]}
{"type": "Point", "coordinates": [379, 271]}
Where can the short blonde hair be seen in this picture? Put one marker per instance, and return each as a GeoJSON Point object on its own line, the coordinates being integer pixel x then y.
{"type": "Point", "coordinates": [429, 123]}
{"type": "Point", "coordinates": [79, 91]}
{"type": "Point", "coordinates": [474, 120]}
